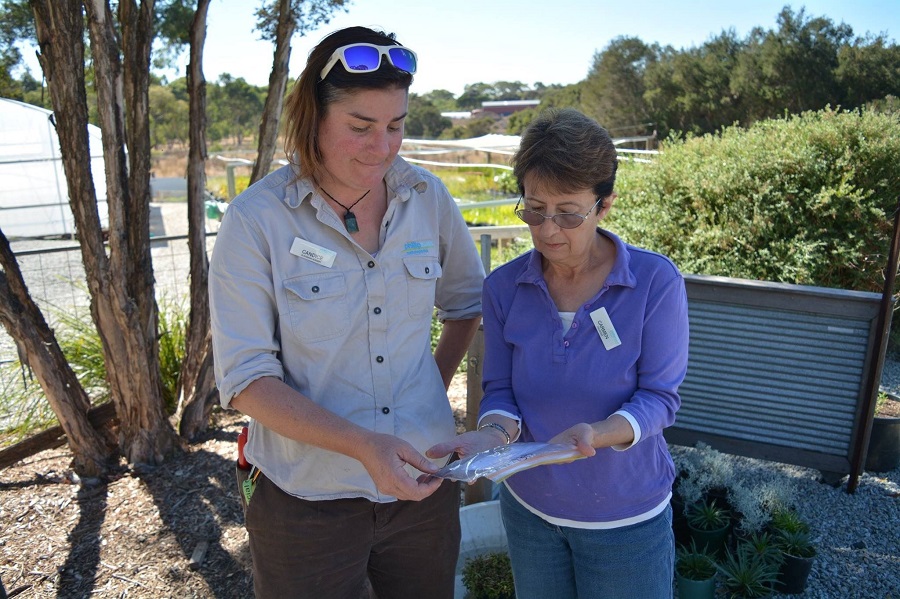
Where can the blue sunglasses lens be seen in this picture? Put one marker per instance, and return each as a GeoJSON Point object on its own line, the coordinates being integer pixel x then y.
{"type": "Point", "coordinates": [362, 58]}
{"type": "Point", "coordinates": [403, 59]}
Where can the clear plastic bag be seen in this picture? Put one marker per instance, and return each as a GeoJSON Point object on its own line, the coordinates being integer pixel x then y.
{"type": "Point", "coordinates": [501, 462]}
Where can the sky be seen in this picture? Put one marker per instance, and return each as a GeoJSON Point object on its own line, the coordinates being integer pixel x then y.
{"type": "Point", "coordinates": [547, 41]}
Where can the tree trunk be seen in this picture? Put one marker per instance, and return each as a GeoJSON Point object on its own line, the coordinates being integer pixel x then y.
{"type": "Point", "coordinates": [100, 418]}
{"type": "Point", "coordinates": [195, 418]}
{"type": "Point", "coordinates": [197, 392]}
{"type": "Point", "coordinates": [268, 128]}
{"type": "Point", "coordinates": [23, 320]}
{"type": "Point", "coordinates": [122, 305]}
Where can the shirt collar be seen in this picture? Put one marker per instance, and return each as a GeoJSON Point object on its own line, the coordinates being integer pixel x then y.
{"type": "Point", "coordinates": [401, 177]}
{"type": "Point", "coordinates": [619, 275]}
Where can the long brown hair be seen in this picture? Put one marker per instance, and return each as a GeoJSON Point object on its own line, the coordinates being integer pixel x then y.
{"type": "Point", "coordinates": [307, 103]}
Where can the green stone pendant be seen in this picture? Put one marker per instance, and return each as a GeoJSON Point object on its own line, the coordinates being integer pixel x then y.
{"type": "Point", "coordinates": [350, 222]}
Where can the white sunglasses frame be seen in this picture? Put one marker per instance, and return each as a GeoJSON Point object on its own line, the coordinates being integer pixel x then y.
{"type": "Point", "coordinates": [338, 56]}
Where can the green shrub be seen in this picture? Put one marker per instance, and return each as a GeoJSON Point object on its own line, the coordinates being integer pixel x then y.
{"type": "Point", "coordinates": [807, 199]}
{"type": "Point", "coordinates": [489, 576]}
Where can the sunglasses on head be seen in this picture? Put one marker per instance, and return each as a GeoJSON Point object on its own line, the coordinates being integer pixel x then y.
{"type": "Point", "coordinates": [365, 58]}
{"type": "Point", "coordinates": [563, 220]}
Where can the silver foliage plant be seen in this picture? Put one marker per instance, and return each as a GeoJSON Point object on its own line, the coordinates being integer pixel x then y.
{"type": "Point", "coordinates": [704, 468]}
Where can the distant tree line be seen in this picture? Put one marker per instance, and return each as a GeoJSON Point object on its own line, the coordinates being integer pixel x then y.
{"type": "Point", "coordinates": [804, 63]}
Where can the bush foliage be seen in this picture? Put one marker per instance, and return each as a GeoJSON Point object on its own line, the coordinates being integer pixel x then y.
{"type": "Point", "coordinates": [806, 199]}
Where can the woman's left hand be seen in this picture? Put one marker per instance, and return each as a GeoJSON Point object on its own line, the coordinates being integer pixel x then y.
{"type": "Point", "coordinates": [467, 444]}
{"type": "Point", "coordinates": [581, 436]}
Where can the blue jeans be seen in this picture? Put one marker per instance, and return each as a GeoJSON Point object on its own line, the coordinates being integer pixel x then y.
{"type": "Point", "coordinates": [632, 562]}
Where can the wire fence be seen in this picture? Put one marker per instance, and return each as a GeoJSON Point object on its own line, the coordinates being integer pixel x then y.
{"type": "Point", "coordinates": [54, 274]}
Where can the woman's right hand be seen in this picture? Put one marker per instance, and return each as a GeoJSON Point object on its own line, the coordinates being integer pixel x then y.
{"type": "Point", "coordinates": [384, 457]}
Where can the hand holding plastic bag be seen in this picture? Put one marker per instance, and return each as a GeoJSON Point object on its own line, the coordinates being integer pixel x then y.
{"type": "Point", "coordinates": [501, 462]}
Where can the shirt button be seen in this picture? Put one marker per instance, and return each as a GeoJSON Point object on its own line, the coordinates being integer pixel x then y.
{"type": "Point", "coordinates": [566, 344]}
{"type": "Point", "coordinates": [385, 410]}
{"type": "Point", "coordinates": [574, 325]}
{"type": "Point", "coordinates": [427, 270]}
{"type": "Point", "coordinates": [377, 310]}
{"type": "Point", "coordinates": [315, 289]}
{"type": "Point", "coordinates": [371, 264]}
{"type": "Point", "coordinates": [379, 359]}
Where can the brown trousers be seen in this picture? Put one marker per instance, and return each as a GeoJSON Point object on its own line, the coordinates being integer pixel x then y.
{"type": "Point", "coordinates": [326, 549]}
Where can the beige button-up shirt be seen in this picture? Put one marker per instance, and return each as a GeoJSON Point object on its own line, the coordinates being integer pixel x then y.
{"type": "Point", "coordinates": [353, 334]}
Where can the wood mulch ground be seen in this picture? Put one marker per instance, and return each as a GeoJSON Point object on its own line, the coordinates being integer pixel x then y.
{"type": "Point", "coordinates": [172, 531]}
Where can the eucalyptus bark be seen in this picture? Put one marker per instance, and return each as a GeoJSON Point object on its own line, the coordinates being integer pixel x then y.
{"type": "Point", "coordinates": [268, 127]}
{"type": "Point", "coordinates": [23, 320]}
{"type": "Point", "coordinates": [123, 306]}
{"type": "Point", "coordinates": [197, 391]}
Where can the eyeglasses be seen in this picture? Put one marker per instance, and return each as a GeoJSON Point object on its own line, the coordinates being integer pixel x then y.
{"type": "Point", "coordinates": [365, 58]}
{"type": "Point", "coordinates": [563, 220]}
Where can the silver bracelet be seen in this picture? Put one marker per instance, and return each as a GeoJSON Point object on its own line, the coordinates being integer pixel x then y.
{"type": "Point", "coordinates": [499, 427]}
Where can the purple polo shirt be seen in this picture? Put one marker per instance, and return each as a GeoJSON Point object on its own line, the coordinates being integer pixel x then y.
{"type": "Point", "coordinates": [553, 379]}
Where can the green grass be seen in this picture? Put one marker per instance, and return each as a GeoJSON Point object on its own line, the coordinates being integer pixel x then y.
{"type": "Point", "coordinates": [23, 406]}
{"type": "Point", "coordinates": [474, 184]}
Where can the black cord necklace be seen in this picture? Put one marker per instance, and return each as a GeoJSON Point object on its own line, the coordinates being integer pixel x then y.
{"type": "Point", "coordinates": [349, 217]}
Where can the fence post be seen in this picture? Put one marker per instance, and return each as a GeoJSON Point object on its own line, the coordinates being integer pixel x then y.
{"type": "Point", "coordinates": [486, 253]}
{"type": "Point", "coordinates": [481, 490]}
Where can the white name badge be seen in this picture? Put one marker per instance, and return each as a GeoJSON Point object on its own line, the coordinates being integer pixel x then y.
{"type": "Point", "coordinates": [313, 253]}
{"type": "Point", "coordinates": [605, 328]}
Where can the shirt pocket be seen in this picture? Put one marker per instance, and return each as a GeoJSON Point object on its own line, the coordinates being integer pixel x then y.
{"type": "Point", "coordinates": [318, 305]}
{"type": "Point", "coordinates": [422, 275]}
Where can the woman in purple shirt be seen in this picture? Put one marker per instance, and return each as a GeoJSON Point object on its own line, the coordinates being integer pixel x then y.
{"type": "Point", "coordinates": [586, 342]}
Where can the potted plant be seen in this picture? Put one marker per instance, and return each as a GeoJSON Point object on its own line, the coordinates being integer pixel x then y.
{"type": "Point", "coordinates": [708, 524]}
{"type": "Point", "coordinates": [884, 443]}
{"type": "Point", "coordinates": [744, 573]}
{"type": "Point", "coordinates": [788, 520]}
{"type": "Point", "coordinates": [764, 545]}
{"type": "Point", "coordinates": [695, 573]}
{"type": "Point", "coordinates": [489, 576]}
{"type": "Point", "coordinates": [798, 554]}
{"type": "Point", "coordinates": [482, 533]}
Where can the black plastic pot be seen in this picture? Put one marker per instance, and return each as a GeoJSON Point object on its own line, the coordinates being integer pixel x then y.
{"type": "Point", "coordinates": [793, 574]}
{"type": "Point", "coordinates": [884, 445]}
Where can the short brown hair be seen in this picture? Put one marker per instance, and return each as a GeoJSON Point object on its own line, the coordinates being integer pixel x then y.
{"type": "Point", "coordinates": [569, 151]}
{"type": "Point", "coordinates": [308, 101]}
